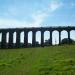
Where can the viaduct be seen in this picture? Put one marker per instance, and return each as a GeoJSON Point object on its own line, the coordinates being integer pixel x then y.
{"type": "Point", "coordinates": [34, 30]}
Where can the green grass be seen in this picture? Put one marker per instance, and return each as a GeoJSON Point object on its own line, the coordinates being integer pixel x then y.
{"type": "Point", "coordinates": [54, 60]}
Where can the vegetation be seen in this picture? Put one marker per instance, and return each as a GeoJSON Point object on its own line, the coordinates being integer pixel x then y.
{"type": "Point", "coordinates": [66, 41]}
{"type": "Point", "coordinates": [54, 60]}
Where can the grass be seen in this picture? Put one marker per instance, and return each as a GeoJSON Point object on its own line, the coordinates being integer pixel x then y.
{"type": "Point", "coordinates": [54, 60]}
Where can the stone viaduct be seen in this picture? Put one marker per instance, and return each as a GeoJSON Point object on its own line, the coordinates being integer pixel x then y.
{"type": "Point", "coordinates": [34, 30]}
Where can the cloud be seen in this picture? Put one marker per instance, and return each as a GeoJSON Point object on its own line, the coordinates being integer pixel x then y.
{"type": "Point", "coordinates": [37, 20]}
{"type": "Point", "coordinates": [41, 15]}
{"type": "Point", "coordinates": [11, 23]}
{"type": "Point", "coordinates": [54, 5]}
{"type": "Point", "coordinates": [37, 17]}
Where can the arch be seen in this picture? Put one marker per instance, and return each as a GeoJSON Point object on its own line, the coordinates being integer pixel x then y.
{"type": "Point", "coordinates": [14, 38]}
{"type": "Point", "coordinates": [22, 37]}
{"type": "Point", "coordinates": [55, 37]}
{"type": "Point", "coordinates": [46, 37]}
{"type": "Point", "coordinates": [29, 38]}
{"type": "Point", "coordinates": [72, 34]}
{"type": "Point", "coordinates": [7, 39]}
{"type": "Point", "coordinates": [64, 34]}
{"type": "Point", "coordinates": [38, 37]}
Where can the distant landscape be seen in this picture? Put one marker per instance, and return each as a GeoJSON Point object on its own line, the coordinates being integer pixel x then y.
{"type": "Point", "coordinates": [52, 60]}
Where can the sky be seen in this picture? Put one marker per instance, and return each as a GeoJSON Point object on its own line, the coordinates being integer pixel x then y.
{"type": "Point", "coordinates": [37, 13]}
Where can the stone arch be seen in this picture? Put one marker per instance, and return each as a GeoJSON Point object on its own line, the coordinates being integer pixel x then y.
{"type": "Point", "coordinates": [72, 34]}
{"type": "Point", "coordinates": [46, 37]}
{"type": "Point", "coordinates": [55, 37]}
{"type": "Point", "coordinates": [64, 34]}
{"type": "Point", "coordinates": [30, 38]}
{"type": "Point", "coordinates": [7, 37]}
{"type": "Point", "coordinates": [38, 37]}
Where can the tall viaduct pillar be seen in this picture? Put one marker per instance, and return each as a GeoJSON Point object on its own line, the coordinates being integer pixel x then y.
{"type": "Point", "coordinates": [26, 38]}
{"type": "Point", "coordinates": [68, 36]}
{"type": "Point", "coordinates": [50, 42]}
{"type": "Point", "coordinates": [42, 38]}
{"type": "Point", "coordinates": [10, 45]}
{"type": "Point", "coordinates": [33, 38]}
{"type": "Point", "coordinates": [18, 39]}
{"type": "Point", "coordinates": [3, 43]}
{"type": "Point", "coordinates": [59, 37]}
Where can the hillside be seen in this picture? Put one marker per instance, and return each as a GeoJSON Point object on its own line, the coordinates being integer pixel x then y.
{"type": "Point", "coordinates": [54, 60]}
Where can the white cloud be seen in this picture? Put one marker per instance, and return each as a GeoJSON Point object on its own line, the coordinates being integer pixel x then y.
{"type": "Point", "coordinates": [54, 5]}
{"type": "Point", "coordinates": [11, 23]}
{"type": "Point", "coordinates": [37, 18]}
{"type": "Point", "coordinates": [40, 16]}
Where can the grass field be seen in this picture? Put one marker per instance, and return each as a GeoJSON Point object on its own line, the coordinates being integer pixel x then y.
{"type": "Point", "coordinates": [54, 60]}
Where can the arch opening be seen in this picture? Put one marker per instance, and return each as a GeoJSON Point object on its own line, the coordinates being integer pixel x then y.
{"type": "Point", "coordinates": [30, 38]}
{"type": "Point", "coordinates": [38, 38]}
{"type": "Point", "coordinates": [72, 36]}
{"type": "Point", "coordinates": [64, 34]}
{"type": "Point", "coordinates": [64, 37]}
{"type": "Point", "coordinates": [7, 39]}
{"type": "Point", "coordinates": [55, 37]}
{"type": "Point", "coordinates": [14, 39]}
{"type": "Point", "coordinates": [46, 37]}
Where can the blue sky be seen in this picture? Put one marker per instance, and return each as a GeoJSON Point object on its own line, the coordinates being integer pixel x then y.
{"type": "Point", "coordinates": [36, 13]}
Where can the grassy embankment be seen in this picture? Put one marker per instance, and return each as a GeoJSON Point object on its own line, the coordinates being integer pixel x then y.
{"type": "Point", "coordinates": [54, 60]}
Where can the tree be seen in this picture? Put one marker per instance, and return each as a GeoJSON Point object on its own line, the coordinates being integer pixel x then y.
{"type": "Point", "coordinates": [37, 44]}
{"type": "Point", "coordinates": [67, 41]}
{"type": "Point", "coordinates": [47, 42]}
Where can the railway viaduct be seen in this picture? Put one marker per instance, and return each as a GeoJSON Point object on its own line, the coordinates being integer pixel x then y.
{"type": "Point", "coordinates": [34, 30]}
